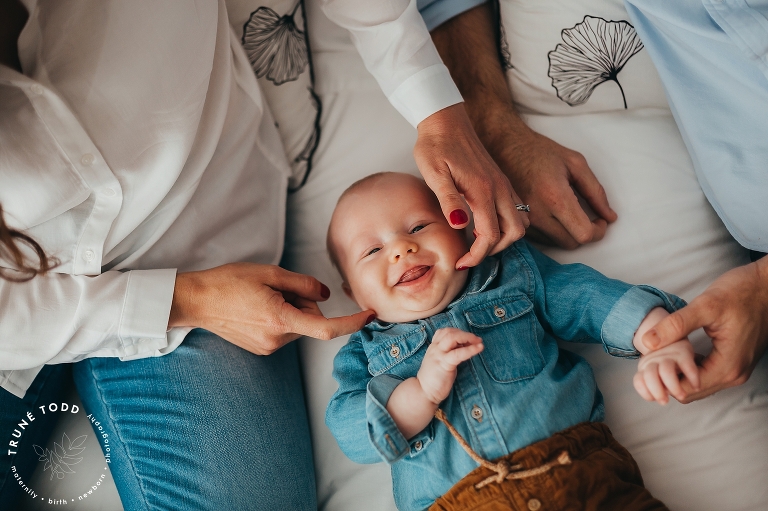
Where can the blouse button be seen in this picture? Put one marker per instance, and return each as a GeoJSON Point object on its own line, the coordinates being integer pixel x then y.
{"type": "Point", "coordinates": [87, 159]}
{"type": "Point", "coordinates": [534, 504]}
{"type": "Point", "coordinates": [499, 312]}
{"type": "Point", "coordinates": [394, 351]}
{"type": "Point", "coordinates": [477, 413]}
{"type": "Point", "coordinates": [108, 192]}
{"type": "Point", "coordinates": [36, 89]}
{"type": "Point", "coordinates": [88, 255]}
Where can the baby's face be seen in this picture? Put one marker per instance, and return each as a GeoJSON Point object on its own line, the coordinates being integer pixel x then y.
{"type": "Point", "coordinates": [396, 249]}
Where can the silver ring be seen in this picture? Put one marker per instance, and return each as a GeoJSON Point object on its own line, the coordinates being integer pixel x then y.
{"type": "Point", "coordinates": [523, 207]}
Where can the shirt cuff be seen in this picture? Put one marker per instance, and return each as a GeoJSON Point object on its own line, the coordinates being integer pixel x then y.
{"type": "Point", "coordinates": [437, 12]}
{"type": "Point", "coordinates": [146, 310]}
{"type": "Point", "coordinates": [426, 92]}
{"type": "Point", "coordinates": [626, 315]}
{"type": "Point", "coordinates": [17, 382]}
{"type": "Point", "coordinates": [382, 430]}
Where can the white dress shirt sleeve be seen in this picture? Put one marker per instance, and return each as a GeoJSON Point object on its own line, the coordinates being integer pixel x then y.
{"type": "Point", "coordinates": [66, 318]}
{"type": "Point", "coordinates": [398, 51]}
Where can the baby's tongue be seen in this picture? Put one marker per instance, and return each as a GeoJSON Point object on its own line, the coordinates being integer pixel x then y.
{"type": "Point", "coordinates": [413, 274]}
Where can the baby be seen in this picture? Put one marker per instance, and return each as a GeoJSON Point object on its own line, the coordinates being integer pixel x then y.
{"type": "Point", "coordinates": [518, 420]}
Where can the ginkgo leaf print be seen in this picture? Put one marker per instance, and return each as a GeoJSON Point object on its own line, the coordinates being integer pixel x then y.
{"type": "Point", "coordinates": [275, 45]}
{"type": "Point", "coordinates": [594, 51]}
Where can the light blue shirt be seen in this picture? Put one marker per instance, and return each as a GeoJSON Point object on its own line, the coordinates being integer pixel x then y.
{"type": "Point", "coordinates": [712, 56]}
{"type": "Point", "coordinates": [521, 389]}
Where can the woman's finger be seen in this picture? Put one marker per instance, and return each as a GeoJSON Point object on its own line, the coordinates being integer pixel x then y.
{"type": "Point", "coordinates": [323, 328]}
{"type": "Point", "coordinates": [301, 285]}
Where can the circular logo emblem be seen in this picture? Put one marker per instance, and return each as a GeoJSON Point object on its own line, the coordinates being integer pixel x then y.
{"type": "Point", "coordinates": [74, 462]}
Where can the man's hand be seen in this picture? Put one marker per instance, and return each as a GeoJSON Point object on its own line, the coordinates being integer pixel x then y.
{"type": "Point", "coordinates": [547, 176]}
{"type": "Point", "coordinates": [733, 311]}
{"type": "Point", "coordinates": [450, 347]}
{"type": "Point", "coordinates": [258, 307]}
{"type": "Point", "coordinates": [544, 173]}
{"type": "Point", "coordinates": [455, 163]}
{"type": "Point", "coordinates": [658, 373]}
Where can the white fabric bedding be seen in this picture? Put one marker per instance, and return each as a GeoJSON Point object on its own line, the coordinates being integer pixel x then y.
{"type": "Point", "coordinates": [710, 455]}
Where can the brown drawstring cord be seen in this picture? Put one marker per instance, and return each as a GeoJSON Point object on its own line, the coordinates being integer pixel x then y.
{"type": "Point", "coordinates": [503, 469]}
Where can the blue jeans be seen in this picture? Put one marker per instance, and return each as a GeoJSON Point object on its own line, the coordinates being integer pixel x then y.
{"type": "Point", "coordinates": [207, 427]}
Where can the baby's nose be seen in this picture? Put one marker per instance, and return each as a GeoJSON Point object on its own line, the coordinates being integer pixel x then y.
{"type": "Point", "coordinates": [402, 249]}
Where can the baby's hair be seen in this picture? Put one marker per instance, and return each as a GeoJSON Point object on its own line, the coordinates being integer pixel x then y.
{"type": "Point", "coordinates": [330, 247]}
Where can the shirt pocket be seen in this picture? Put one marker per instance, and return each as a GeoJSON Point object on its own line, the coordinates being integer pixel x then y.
{"type": "Point", "coordinates": [397, 355]}
{"type": "Point", "coordinates": [508, 330]}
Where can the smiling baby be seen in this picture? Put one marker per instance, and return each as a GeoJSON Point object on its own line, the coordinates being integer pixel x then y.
{"type": "Point", "coordinates": [460, 384]}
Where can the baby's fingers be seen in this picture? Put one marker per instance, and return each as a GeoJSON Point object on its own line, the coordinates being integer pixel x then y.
{"type": "Point", "coordinates": [655, 387]}
{"type": "Point", "coordinates": [459, 355]}
{"type": "Point", "coordinates": [670, 379]}
{"type": "Point", "coordinates": [691, 371]}
{"type": "Point", "coordinates": [640, 387]}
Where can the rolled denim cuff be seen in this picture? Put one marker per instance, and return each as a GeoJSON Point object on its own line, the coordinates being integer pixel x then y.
{"type": "Point", "coordinates": [626, 315]}
{"type": "Point", "coordinates": [382, 430]}
{"type": "Point", "coordinates": [437, 12]}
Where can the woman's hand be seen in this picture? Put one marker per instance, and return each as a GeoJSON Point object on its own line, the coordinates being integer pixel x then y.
{"type": "Point", "coordinates": [454, 163]}
{"type": "Point", "coordinates": [258, 307]}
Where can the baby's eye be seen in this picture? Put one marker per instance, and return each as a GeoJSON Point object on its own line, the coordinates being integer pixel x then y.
{"type": "Point", "coordinates": [373, 251]}
{"type": "Point", "coordinates": [417, 228]}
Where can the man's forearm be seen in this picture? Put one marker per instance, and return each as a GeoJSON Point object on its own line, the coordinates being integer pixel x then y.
{"type": "Point", "coordinates": [467, 46]}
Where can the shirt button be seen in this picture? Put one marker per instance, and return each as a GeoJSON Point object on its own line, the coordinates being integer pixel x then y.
{"type": "Point", "coordinates": [477, 413]}
{"type": "Point", "coordinates": [394, 351]}
{"type": "Point", "coordinates": [88, 255]}
{"type": "Point", "coordinates": [499, 312]}
{"type": "Point", "coordinates": [87, 159]}
{"type": "Point", "coordinates": [534, 504]}
{"type": "Point", "coordinates": [36, 89]}
{"type": "Point", "coordinates": [418, 445]}
{"type": "Point", "coordinates": [108, 192]}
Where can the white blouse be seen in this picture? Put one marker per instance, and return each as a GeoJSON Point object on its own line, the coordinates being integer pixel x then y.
{"type": "Point", "coordinates": [180, 169]}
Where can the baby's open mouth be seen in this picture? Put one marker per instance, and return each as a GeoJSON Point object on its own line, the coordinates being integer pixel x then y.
{"type": "Point", "coordinates": [413, 274]}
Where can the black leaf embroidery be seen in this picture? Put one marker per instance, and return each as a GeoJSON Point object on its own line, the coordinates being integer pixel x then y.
{"type": "Point", "coordinates": [275, 45]}
{"type": "Point", "coordinates": [593, 51]}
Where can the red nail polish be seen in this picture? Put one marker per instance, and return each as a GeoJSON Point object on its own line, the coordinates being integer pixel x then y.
{"type": "Point", "coordinates": [370, 318]}
{"type": "Point", "coordinates": [458, 217]}
{"type": "Point", "coordinates": [324, 291]}
{"type": "Point", "coordinates": [462, 268]}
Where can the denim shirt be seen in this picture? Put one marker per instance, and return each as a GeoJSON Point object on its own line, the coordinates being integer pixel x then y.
{"type": "Point", "coordinates": [520, 389]}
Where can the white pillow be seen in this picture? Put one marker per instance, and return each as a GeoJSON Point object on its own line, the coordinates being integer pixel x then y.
{"type": "Point", "coordinates": [710, 455]}
{"type": "Point", "coordinates": [275, 39]}
{"type": "Point", "coordinates": [560, 51]}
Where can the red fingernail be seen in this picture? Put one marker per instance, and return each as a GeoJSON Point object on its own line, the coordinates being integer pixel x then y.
{"type": "Point", "coordinates": [370, 318]}
{"type": "Point", "coordinates": [324, 291]}
{"type": "Point", "coordinates": [458, 217]}
{"type": "Point", "coordinates": [462, 268]}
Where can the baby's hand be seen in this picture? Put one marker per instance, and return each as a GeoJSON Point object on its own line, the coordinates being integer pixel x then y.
{"type": "Point", "coordinates": [450, 347]}
{"type": "Point", "coordinates": [658, 372]}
